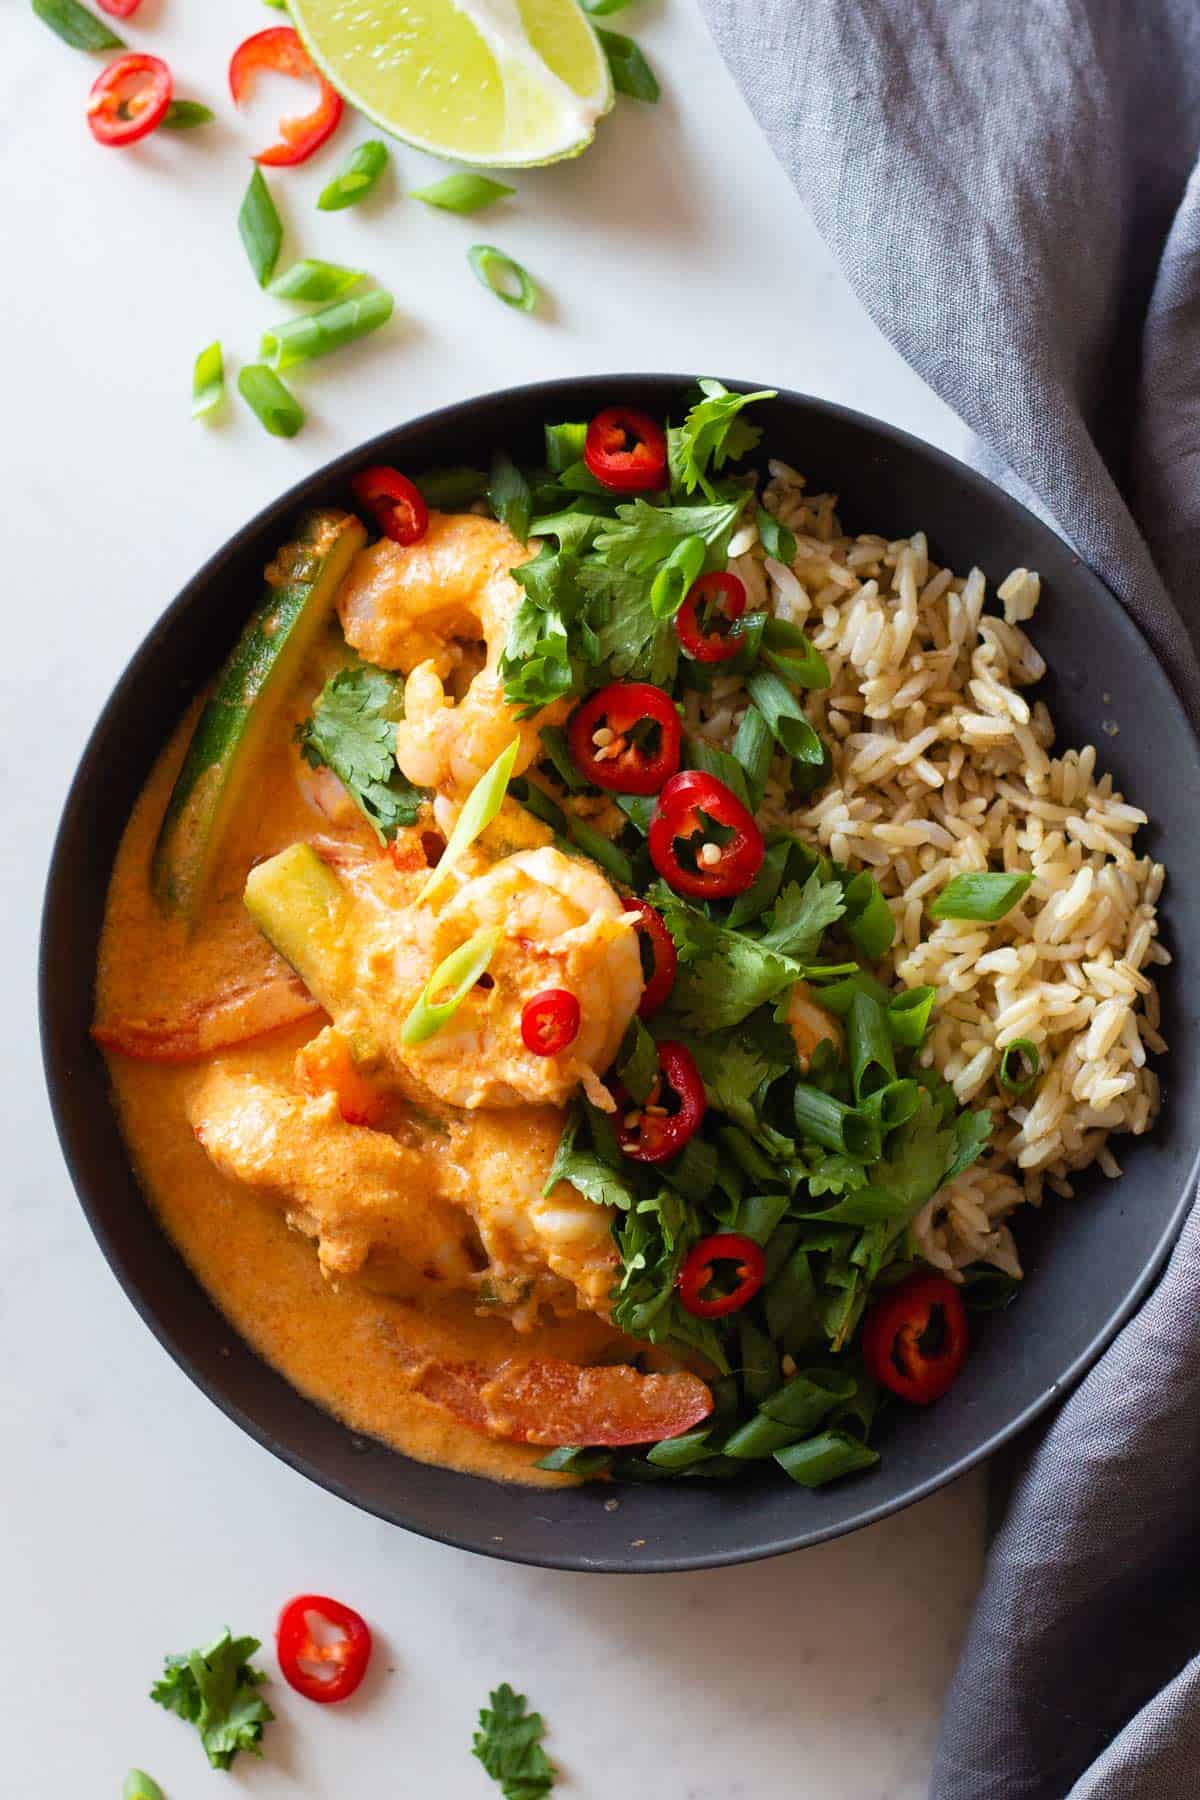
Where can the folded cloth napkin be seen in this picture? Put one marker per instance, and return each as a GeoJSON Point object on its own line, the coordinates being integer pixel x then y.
{"type": "Point", "coordinates": [1012, 187]}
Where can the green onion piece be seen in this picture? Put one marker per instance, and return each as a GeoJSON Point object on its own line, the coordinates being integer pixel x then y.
{"type": "Point", "coordinates": [571, 1459]}
{"type": "Point", "coordinates": [1019, 1065]}
{"type": "Point", "coordinates": [986, 1289]}
{"type": "Point", "coordinates": [208, 380]}
{"type": "Point", "coordinates": [838, 996]}
{"type": "Point", "coordinates": [833, 1124]}
{"type": "Point", "coordinates": [140, 1786]}
{"type": "Point", "coordinates": [312, 279]}
{"type": "Point", "coordinates": [983, 896]}
{"type": "Point", "coordinates": [451, 489]}
{"type": "Point", "coordinates": [763, 890]}
{"type": "Point", "coordinates": [673, 582]}
{"type": "Point", "coordinates": [504, 277]}
{"type": "Point", "coordinates": [805, 1400]}
{"type": "Point", "coordinates": [796, 660]}
{"type": "Point", "coordinates": [748, 630]}
{"type": "Point", "coordinates": [272, 404]}
{"type": "Point", "coordinates": [449, 985]}
{"type": "Point", "coordinates": [638, 809]}
{"type": "Point", "coordinates": [790, 1301]}
{"type": "Point", "coordinates": [785, 716]}
{"type": "Point", "coordinates": [908, 1016]}
{"type": "Point", "coordinates": [680, 1452]}
{"type": "Point", "coordinates": [564, 446]}
{"type": "Point", "coordinates": [637, 1061]}
{"type": "Point", "coordinates": [719, 763]}
{"type": "Point", "coordinates": [261, 228]}
{"type": "Point", "coordinates": [759, 1362]}
{"type": "Point", "coordinates": [303, 340]}
{"type": "Point", "coordinates": [775, 538]}
{"type": "Point", "coordinates": [463, 193]}
{"type": "Point", "coordinates": [825, 1457]}
{"type": "Point", "coordinates": [872, 1059]}
{"type": "Point", "coordinates": [480, 808]}
{"type": "Point", "coordinates": [747, 1155]}
{"type": "Point", "coordinates": [694, 1171]}
{"type": "Point", "coordinates": [868, 917]}
{"type": "Point", "coordinates": [601, 9]}
{"type": "Point", "coordinates": [185, 115]}
{"type": "Point", "coordinates": [602, 850]}
{"type": "Point", "coordinates": [276, 5]}
{"type": "Point", "coordinates": [631, 73]}
{"type": "Point", "coordinates": [758, 1438]}
{"type": "Point", "coordinates": [753, 747]}
{"type": "Point", "coordinates": [76, 26]}
{"type": "Point", "coordinates": [509, 496]}
{"type": "Point", "coordinates": [537, 801]}
{"type": "Point", "coordinates": [554, 743]}
{"type": "Point", "coordinates": [891, 1105]}
{"type": "Point", "coordinates": [356, 177]}
{"type": "Point", "coordinates": [759, 1214]}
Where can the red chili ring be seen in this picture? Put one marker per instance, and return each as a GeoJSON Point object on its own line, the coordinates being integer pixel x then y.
{"type": "Point", "coordinates": [914, 1338]}
{"type": "Point", "coordinates": [663, 955]}
{"type": "Point", "coordinates": [396, 503]}
{"type": "Point", "coordinates": [118, 113]}
{"type": "Point", "coordinates": [295, 1646]}
{"type": "Point", "coordinates": [697, 1272]}
{"type": "Point", "coordinates": [676, 818]}
{"type": "Point", "coordinates": [622, 765]}
{"type": "Point", "coordinates": [119, 9]}
{"type": "Point", "coordinates": [654, 1136]}
{"type": "Point", "coordinates": [550, 1021]}
{"type": "Point", "coordinates": [279, 50]}
{"type": "Point", "coordinates": [626, 450]}
{"type": "Point", "coordinates": [728, 595]}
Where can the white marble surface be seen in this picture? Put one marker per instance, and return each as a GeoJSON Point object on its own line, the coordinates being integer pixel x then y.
{"type": "Point", "coordinates": [135, 1517]}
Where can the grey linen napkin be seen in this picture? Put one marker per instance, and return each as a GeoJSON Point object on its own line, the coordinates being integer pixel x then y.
{"type": "Point", "coordinates": [1011, 185]}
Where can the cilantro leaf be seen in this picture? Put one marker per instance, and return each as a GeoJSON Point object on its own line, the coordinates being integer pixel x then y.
{"type": "Point", "coordinates": [538, 664]}
{"type": "Point", "coordinates": [631, 642]}
{"type": "Point", "coordinates": [590, 1172]}
{"type": "Point", "coordinates": [802, 915]}
{"type": "Point", "coordinates": [643, 536]}
{"type": "Point", "coordinates": [216, 1690]}
{"type": "Point", "coordinates": [972, 1132]}
{"type": "Point", "coordinates": [509, 496]}
{"type": "Point", "coordinates": [712, 435]}
{"type": "Point", "coordinates": [723, 975]}
{"type": "Point", "coordinates": [352, 730]}
{"type": "Point", "coordinates": [508, 1744]}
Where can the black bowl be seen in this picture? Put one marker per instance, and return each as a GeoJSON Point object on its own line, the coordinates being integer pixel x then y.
{"type": "Point", "coordinates": [1089, 1261]}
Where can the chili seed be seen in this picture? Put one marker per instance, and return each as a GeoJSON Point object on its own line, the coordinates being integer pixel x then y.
{"type": "Point", "coordinates": [710, 855]}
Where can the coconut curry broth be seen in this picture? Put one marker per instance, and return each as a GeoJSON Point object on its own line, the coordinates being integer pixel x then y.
{"type": "Point", "coordinates": [350, 1349]}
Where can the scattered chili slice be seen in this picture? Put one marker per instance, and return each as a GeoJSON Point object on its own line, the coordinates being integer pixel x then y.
{"type": "Point", "coordinates": [660, 978]}
{"type": "Point", "coordinates": [129, 99]}
{"type": "Point", "coordinates": [604, 748]}
{"type": "Point", "coordinates": [347, 1655]}
{"type": "Point", "coordinates": [652, 1132]}
{"type": "Point", "coordinates": [279, 49]}
{"type": "Point", "coordinates": [699, 1266]}
{"type": "Point", "coordinates": [704, 641]}
{"type": "Point", "coordinates": [550, 1021]}
{"type": "Point", "coordinates": [914, 1339]}
{"type": "Point", "coordinates": [626, 450]}
{"type": "Point", "coordinates": [119, 9]}
{"type": "Point", "coordinates": [395, 501]}
{"type": "Point", "coordinates": [727, 860]}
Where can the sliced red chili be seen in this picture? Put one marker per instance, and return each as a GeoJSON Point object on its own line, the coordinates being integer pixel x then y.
{"type": "Point", "coordinates": [653, 1131]}
{"type": "Point", "coordinates": [914, 1338]}
{"type": "Point", "coordinates": [346, 1655]}
{"type": "Point", "coordinates": [129, 99]}
{"type": "Point", "coordinates": [699, 1268]}
{"type": "Point", "coordinates": [626, 450]}
{"type": "Point", "coordinates": [396, 503]}
{"type": "Point", "coordinates": [660, 976]}
{"type": "Point", "coordinates": [626, 738]}
{"type": "Point", "coordinates": [279, 49]}
{"type": "Point", "coordinates": [731, 849]}
{"type": "Point", "coordinates": [119, 9]}
{"type": "Point", "coordinates": [550, 1021]}
{"type": "Point", "coordinates": [697, 630]}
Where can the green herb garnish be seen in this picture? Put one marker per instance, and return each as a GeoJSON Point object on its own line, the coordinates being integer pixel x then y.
{"type": "Point", "coordinates": [216, 1690]}
{"type": "Point", "coordinates": [314, 280]}
{"type": "Point", "coordinates": [76, 26]}
{"type": "Point", "coordinates": [631, 73]}
{"type": "Point", "coordinates": [185, 115]}
{"type": "Point", "coordinates": [352, 730]}
{"type": "Point", "coordinates": [208, 381]}
{"type": "Point", "coordinates": [449, 985]}
{"type": "Point", "coordinates": [479, 809]}
{"type": "Point", "coordinates": [713, 433]}
{"type": "Point", "coordinates": [981, 896]}
{"type": "Point", "coordinates": [509, 1745]}
{"type": "Point", "coordinates": [261, 228]}
{"type": "Point", "coordinates": [276, 409]}
{"type": "Point", "coordinates": [463, 193]}
{"type": "Point", "coordinates": [503, 277]}
{"type": "Point", "coordinates": [356, 177]}
{"type": "Point", "coordinates": [317, 334]}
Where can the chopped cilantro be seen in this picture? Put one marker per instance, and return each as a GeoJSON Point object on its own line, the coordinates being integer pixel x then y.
{"type": "Point", "coordinates": [713, 434]}
{"type": "Point", "coordinates": [352, 730]}
{"type": "Point", "coordinates": [509, 1745]}
{"type": "Point", "coordinates": [632, 644]}
{"type": "Point", "coordinates": [643, 536]}
{"type": "Point", "coordinates": [216, 1690]}
{"type": "Point", "coordinates": [802, 915]}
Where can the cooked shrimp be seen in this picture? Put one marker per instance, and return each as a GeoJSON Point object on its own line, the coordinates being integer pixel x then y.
{"type": "Point", "coordinates": [423, 608]}
{"type": "Point", "coordinates": [545, 1401]}
{"type": "Point", "coordinates": [810, 1024]}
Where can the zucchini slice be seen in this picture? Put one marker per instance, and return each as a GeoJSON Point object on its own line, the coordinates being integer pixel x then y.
{"type": "Point", "coordinates": [306, 913]}
{"type": "Point", "coordinates": [302, 584]}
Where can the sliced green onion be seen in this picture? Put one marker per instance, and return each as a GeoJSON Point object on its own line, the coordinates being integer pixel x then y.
{"type": "Point", "coordinates": [312, 279]}
{"type": "Point", "coordinates": [637, 1061]}
{"type": "Point", "coordinates": [790, 1300]}
{"type": "Point", "coordinates": [509, 496]}
{"type": "Point", "coordinates": [719, 763]}
{"type": "Point", "coordinates": [76, 26]}
{"type": "Point", "coordinates": [356, 177]}
{"type": "Point", "coordinates": [759, 1361]}
{"type": "Point", "coordinates": [631, 73]}
{"type": "Point", "coordinates": [185, 115]}
{"type": "Point", "coordinates": [775, 538]}
{"type": "Point", "coordinates": [554, 743]}
{"type": "Point", "coordinates": [463, 193]}
{"type": "Point", "coordinates": [276, 5]}
{"type": "Point", "coordinates": [564, 446]}
{"type": "Point", "coordinates": [838, 996]}
{"type": "Point", "coordinates": [273, 405]}
{"type": "Point", "coordinates": [638, 809]}
{"type": "Point", "coordinates": [983, 896]}
{"type": "Point", "coordinates": [601, 9]}
{"type": "Point", "coordinates": [602, 850]}
{"type": "Point", "coordinates": [833, 1124]}
{"type": "Point", "coordinates": [748, 630]}
{"type": "Point", "coordinates": [872, 1058]}
{"type": "Point", "coordinates": [261, 228]}
{"type": "Point", "coordinates": [317, 334]}
{"type": "Point", "coordinates": [747, 1155]}
{"type": "Point", "coordinates": [140, 1786]}
{"type": "Point", "coordinates": [450, 489]}
{"type": "Point", "coordinates": [504, 277]}
{"type": "Point", "coordinates": [673, 581]}
{"type": "Point", "coordinates": [1019, 1065]}
{"type": "Point", "coordinates": [537, 801]}
{"type": "Point", "coordinates": [680, 1452]}
{"type": "Point", "coordinates": [763, 890]}
{"type": "Point", "coordinates": [908, 1016]}
{"type": "Point", "coordinates": [694, 1171]}
{"type": "Point", "coordinates": [785, 716]}
{"type": "Point", "coordinates": [868, 917]}
{"type": "Point", "coordinates": [208, 380]}
{"type": "Point", "coordinates": [891, 1105]}
{"type": "Point", "coordinates": [480, 808]}
{"type": "Point", "coordinates": [573, 1459]}
{"type": "Point", "coordinates": [825, 1457]}
{"type": "Point", "coordinates": [753, 747]}
{"type": "Point", "coordinates": [805, 1400]}
{"type": "Point", "coordinates": [449, 985]}
{"type": "Point", "coordinates": [791, 655]}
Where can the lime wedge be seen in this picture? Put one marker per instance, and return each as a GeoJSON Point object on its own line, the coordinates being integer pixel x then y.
{"type": "Point", "coordinates": [492, 82]}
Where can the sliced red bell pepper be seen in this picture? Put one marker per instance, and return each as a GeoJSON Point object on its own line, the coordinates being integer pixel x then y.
{"type": "Point", "coordinates": [280, 50]}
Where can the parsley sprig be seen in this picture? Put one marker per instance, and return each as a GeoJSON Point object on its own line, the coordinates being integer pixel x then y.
{"type": "Point", "coordinates": [508, 1744]}
{"type": "Point", "coordinates": [216, 1690]}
